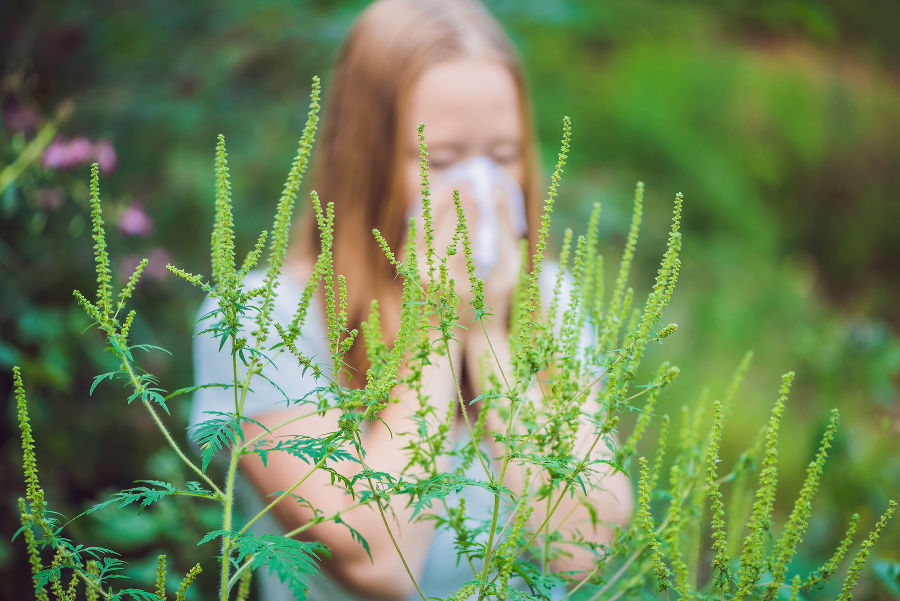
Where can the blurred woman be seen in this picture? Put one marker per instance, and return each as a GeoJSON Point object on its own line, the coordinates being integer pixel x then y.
{"type": "Point", "coordinates": [449, 65]}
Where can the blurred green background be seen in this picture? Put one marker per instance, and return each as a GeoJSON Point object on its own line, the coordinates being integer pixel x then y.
{"type": "Point", "coordinates": [779, 120]}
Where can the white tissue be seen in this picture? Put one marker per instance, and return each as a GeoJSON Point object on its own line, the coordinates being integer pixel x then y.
{"type": "Point", "coordinates": [485, 178]}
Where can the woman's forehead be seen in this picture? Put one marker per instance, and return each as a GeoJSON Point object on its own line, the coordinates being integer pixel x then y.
{"type": "Point", "coordinates": [465, 98]}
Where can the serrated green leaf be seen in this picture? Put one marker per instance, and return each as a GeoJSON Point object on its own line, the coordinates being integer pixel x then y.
{"type": "Point", "coordinates": [97, 379]}
{"type": "Point", "coordinates": [211, 535]}
{"type": "Point", "coordinates": [144, 495]}
{"type": "Point", "coordinates": [291, 560]}
{"type": "Point", "coordinates": [135, 593]}
{"type": "Point", "coordinates": [441, 485]}
{"type": "Point", "coordinates": [308, 449]}
{"type": "Point", "coordinates": [213, 434]}
{"type": "Point", "coordinates": [151, 347]}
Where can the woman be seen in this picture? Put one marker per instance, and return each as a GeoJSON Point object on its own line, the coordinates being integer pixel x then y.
{"type": "Point", "coordinates": [446, 64]}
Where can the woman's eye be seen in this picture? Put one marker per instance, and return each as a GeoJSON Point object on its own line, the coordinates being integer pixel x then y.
{"type": "Point", "coordinates": [438, 164]}
{"type": "Point", "coordinates": [505, 156]}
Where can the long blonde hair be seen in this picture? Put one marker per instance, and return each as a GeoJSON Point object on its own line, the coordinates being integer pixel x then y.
{"type": "Point", "coordinates": [360, 154]}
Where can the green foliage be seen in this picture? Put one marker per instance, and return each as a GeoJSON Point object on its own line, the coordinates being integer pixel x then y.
{"type": "Point", "coordinates": [760, 519]}
{"type": "Point", "coordinates": [292, 560]}
{"type": "Point", "coordinates": [91, 567]}
{"type": "Point", "coordinates": [161, 578]}
{"type": "Point", "coordinates": [768, 112]}
{"type": "Point", "coordinates": [186, 582]}
{"type": "Point", "coordinates": [146, 495]}
{"type": "Point", "coordinates": [561, 406]}
{"type": "Point", "coordinates": [863, 554]}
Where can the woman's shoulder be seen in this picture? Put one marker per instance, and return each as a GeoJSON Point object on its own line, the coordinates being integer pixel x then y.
{"type": "Point", "coordinates": [280, 381]}
{"type": "Point", "coordinates": [289, 286]}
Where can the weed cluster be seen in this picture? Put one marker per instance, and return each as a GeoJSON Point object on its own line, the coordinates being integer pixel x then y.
{"type": "Point", "coordinates": [550, 402]}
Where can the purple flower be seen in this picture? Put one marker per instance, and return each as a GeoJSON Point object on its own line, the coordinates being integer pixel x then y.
{"type": "Point", "coordinates": [65, 154]}
{"type": "Point", "coordinates": [55, 155]}
{"type": "Point", "coordinates": [134, 221]}
{"type": "Point", "coordinates": [79, 151]}
{"type": "Point", "coordinates": [105, 155]}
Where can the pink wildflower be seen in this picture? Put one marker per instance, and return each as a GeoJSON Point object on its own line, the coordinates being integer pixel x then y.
{"type": "Point", "coordinates": [65, 154]}
{"type": "Point", "coordinates": [134, 221]}
{"type": "Point", "coordinates": [105, 155]}
{"type": "Point", "coordinates": [55, 154]}
{"type": "Point", "coordinates": [79, 151]}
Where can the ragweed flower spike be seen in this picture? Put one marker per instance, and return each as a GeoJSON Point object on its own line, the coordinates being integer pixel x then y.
{"type": "Point", "coordinates": [92, 573]}
{"type": "Point", "coordinates": [590, 259]}
{"type": "Point", "coordinates": [532, 298]}
{"type": "Point", "coordinates": [575, 311]}
{"type": "Point", "coordinates": [128, 290]}
{"type": "Point", "coordinates": [187, 581]}
{"type": "Point", "coordinates": [564, 252]}
{"type": "Point", "coordinates": [324, 263]}
{"type": "Point", "coordinates": [610, 330]}
{"type": "Point", "coordinates": [278, 239]}
{"type": "Point", "coordinates": [795, 588]}
{"type": "Point", "coordinates": [192, 278]}
{"type": "Point", "coordinates": [252, 258]}
{"type": "Point", "coordinates": [161, 578]}
{"type": "Point", "coordinates": [752, 560]}
{"type": "Point", "coordinates": [376, 349]}
{"type": "Point", "coordinates": [664, 376]}
{"type": "Point", "coordinates": [386, 249]}
{"type": "Point", "coordinates": [671, 264]}
{"type": "Point", "coordinates": [820, 576]}
{"type": "Point", "coordinates": [33, 492]}
{"type": "Point", "coordinates": [426, 202]}
{"type": "Point", "coordinates": [645, 523]}
{"type": "Point", "coordinates": [666, 331]}
{"type": "Point", "coordinates": [665, 281]}
{"type": "Point", "coordinates": [101, 256]}
{"type": "Point", "coordinates": [222, 242]}
{"type": "Point", "coordinates": [864, 550]}
{"type": "Point", "coordinates": [552, 192]}
{"type": "Point", "coordinates": [476, 283]}
{"type": "Point", "coordinates": [717, 508]}
{"type": "Point", "coordinates": [661, 444]}
{"type": "Point", "coordinates": [799, 518]}
{"type": "Point", "coordinates": [243, 592]}
{"type": "Point", "coordinates": [33, 512]}
{"type": "Point", "coordinates": [31, 548]}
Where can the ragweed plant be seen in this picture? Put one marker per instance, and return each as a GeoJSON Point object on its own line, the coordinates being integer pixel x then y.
{"type": "Point", "coordinates": [542, 436]}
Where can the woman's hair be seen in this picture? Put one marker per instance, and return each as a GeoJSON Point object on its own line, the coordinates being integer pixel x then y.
{"type": "Point", "coordinates": [361, 151]}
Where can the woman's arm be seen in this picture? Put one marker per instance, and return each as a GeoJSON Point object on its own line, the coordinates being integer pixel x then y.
{"type": "Point", "coordinates": [612, 498]}
{"type": "Point", "coordinates": [384, 576]}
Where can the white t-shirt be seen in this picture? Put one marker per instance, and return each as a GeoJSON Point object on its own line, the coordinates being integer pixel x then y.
{"type": "Point", "coordinates": [442, 574]}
